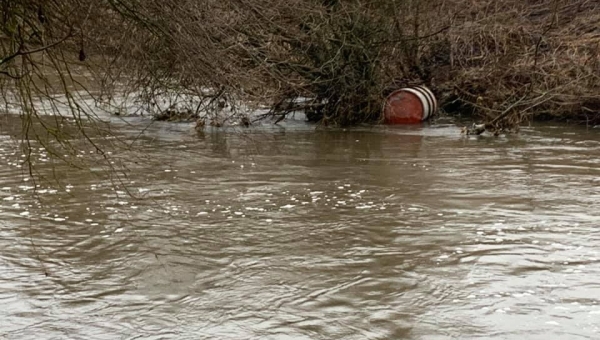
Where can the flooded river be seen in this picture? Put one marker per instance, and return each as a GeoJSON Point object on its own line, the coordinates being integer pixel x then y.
{"type": "Point", "coordinates": [292, 233]}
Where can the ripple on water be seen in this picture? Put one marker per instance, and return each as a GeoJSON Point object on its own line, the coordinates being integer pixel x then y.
{"type": "Point", "coordinates": [408, 233]}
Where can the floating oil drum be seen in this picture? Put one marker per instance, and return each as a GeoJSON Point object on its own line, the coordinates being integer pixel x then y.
{"type": "Point", "coordinates": [409, 105]}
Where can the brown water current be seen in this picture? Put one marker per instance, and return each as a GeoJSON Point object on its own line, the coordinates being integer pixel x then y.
{"type": "Point", "coordinates": [297, 233]}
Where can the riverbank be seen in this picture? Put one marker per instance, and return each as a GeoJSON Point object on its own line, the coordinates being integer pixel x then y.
{"type": "Point", "coordinates": [335, 61]}
{"type": "Point", "coordinates": [541, 61]}
{"type": "Point", "coordinates": [520, 60]}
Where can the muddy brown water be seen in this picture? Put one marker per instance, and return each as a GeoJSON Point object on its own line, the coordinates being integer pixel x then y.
{"type": "Point", "coordinates": [292, 233]}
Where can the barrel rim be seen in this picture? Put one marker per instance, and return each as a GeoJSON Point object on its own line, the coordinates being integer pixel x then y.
{"type": "Point", "coordinates": [431, 96]}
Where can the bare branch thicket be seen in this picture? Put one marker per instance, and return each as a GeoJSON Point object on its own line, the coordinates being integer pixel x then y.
{"type": "Point", "coordinates": [58, 59]}
{"type": "Point", "coordinates": [543, 56]}
{"type": "Point", "coordinates": [338, 59]}
{"type": "Point", "coordinates": [334, 59]}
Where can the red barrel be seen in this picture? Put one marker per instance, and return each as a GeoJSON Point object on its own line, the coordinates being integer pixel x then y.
{"type": "Point", "coordinates": [409, 105]}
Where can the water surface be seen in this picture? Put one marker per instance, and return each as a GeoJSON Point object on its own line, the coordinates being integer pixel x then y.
{"type": "Point", "coordinates": [297, 233]}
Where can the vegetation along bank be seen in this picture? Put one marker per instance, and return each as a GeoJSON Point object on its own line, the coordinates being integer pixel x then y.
{"type": "Point", "coordinates": [505, 61]}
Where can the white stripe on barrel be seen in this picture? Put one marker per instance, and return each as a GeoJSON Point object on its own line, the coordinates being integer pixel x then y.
{"type": "Point", "coordinates": [431, 97]}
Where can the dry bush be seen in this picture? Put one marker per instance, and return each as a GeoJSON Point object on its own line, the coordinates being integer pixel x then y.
{"type": "Point", "coordinates": [335, 59]}
{"type": "Point", "coordinates": [538, 58]}
{"type": "Point", "coordinates": [338, 59]}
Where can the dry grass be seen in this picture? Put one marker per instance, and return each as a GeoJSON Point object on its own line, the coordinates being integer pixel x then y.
{"type": "Point", "coordinates": [543, 55]}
